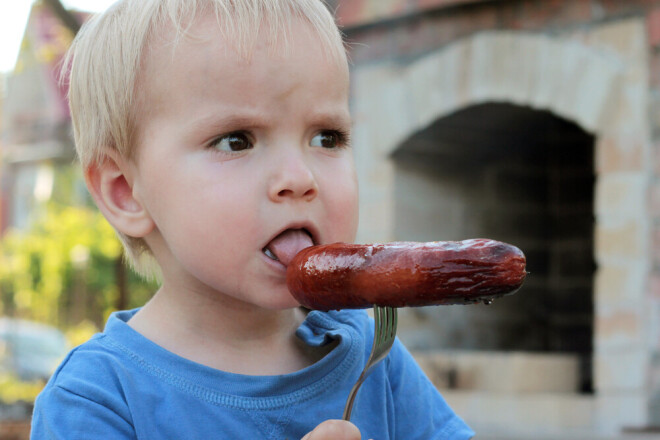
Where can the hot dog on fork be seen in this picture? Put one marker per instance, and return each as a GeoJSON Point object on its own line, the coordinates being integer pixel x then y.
{"type": "Point", "coordinates": [405, 274]}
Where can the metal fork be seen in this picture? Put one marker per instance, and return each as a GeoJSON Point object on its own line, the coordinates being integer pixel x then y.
{"type": "Point", "coordinates": [385, 320]}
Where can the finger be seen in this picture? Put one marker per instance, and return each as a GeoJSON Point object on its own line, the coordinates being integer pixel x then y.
{"type": "Point", "coordinates": [334, 430]}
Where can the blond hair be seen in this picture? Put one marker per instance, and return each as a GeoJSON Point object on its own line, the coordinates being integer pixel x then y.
{"type": "Point", "coordinates": [105, 59]}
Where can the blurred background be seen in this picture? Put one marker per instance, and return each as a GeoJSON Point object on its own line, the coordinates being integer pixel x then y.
{"type": "Point", "coordinates": [534, 122]}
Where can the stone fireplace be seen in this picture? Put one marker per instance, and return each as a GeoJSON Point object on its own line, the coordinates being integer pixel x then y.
{"type": "Point", "coordinates": [518, 175]}
{"type": "Point", "coordinates": [541, 138]}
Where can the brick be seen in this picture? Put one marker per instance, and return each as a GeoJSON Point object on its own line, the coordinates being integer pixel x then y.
{"type": "Point", "coordinates": [618, 7]}
{"type": "Point", "coordinates": [654, 389]}
{"type": "Point", "coordinates": [622, 194]}
{"type": "Point", "coordinates": [532, 14]}
{"type": "Point", "coordinates": [377, 92]}
{"type": "Point", "coordinates": [375, 225]}
{"type": "Point", "coordinates": [362, 12]}
{"type": "Point", "coordinates": [383, 9]}
{"type": "Point", "coordinates": [654, 107]}
{"type": "Point", "coordinates": [618, 329]}
{"type": "Point", "coordinates": [351, 12]}
{"type": "Point", "coordinates": [621, 240]}
{"type": "Point", "coordinates": [620, 370]}
{"type": "Point", "coordinates": [619, 153]}
{"type": "Point", "coordinates": [655, 249]}
{"type": "Point", "coordinates": [501, 372]}
{"type": "Point", "coordinates": [654, 285]}
{"type": "Point", "coordinates": [437, 83]}
{"type": "Point", "coordinates": [653, 27]}
{"type": "Point", "coordinates": [620, 409]}
{"type": "Point", "coordinates": [627, 37]}
{"type": "Point", "coordinates": [654, 78]}
{"type": "Point", "coordinates": [620, 284]}
{"type": "Point", "coordinates": [528, 415]}
{"type": "Point", "coordinates": [434, 4]}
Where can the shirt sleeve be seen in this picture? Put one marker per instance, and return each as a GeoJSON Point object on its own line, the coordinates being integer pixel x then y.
{"type": "Point", "coordinates": [62, 414]}
{"type": "Point", "coordinates": [421, 412]}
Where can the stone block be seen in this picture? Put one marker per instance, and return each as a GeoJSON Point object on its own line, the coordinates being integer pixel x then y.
{"type": "Point", "coordinates": [361, 12]}
{"type": "Point", "coordinates": [620, 409]}
{"type": "Point", "coordinates": [653, 27]}
{"type": "Point", "coordinates": [529, 416]}
{"type": "Point", "coordinates": [618, 329]}
{"type": "Point", "coordinates": [438, 83]}
{"type": "Point", "coordinates": [546, 82]}
{"type": "Point", "coordinates": [362, 155]}
{"type": "Point", "coordinates": [654, 191]}
{"type": "Point", "coordinates": [622, 195]}
{"type": "Point", "coordinates": [620, 153]}
{"type": "Point", "coordinates": [654, 263]}
{"type": "Point", "coordinates": [375, 221]}
{"type": "Point", "coordinates": [654, 286]}
{"type": "Point", "coordinates": [535, 15]}
{"type": "Point", "coordinates": [382, 103]}
{"type": "Point", "coordinates": [620, 240]}
{"type": "Point", "coordinates": [654, 386]}
{"type": "Point", "coordinates": [630, 116]}
{"type": "Point", "coordinates": [620, 284]}
{"type": "Point", "coordinates": [654, 81]}
{"type": "Point", "coordinates": [500, 372]}
{"type": "Point", "coordinates": [627, 38]}
{"type": "Point", "coordinates": [383, 8]}
{"type": "Point", "coordinates": [621, 370]}
{"type": "Point", "coordinates": [585, 83]}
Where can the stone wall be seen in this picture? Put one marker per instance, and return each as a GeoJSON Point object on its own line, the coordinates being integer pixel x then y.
{"type": "Point", "coordinates": [591, 62]}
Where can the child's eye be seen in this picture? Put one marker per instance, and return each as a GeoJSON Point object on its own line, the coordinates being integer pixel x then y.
{"type": "Point", "coordinates": [329, 139]}
{"type": "Point", "coordinates": [231, 143]}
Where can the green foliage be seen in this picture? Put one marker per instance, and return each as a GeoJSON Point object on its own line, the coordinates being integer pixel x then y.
{"type": "Point", "coordinates": [13, 389]}
{"type": "Point", "coordinates": [63, 269]}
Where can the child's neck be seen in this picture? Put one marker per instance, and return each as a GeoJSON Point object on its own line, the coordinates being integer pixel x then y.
{"type": "Point", "coordinates": [238, 340]}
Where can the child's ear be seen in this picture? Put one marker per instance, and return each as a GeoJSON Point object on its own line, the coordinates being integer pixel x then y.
{"type": "Point", "coordinates": [110, 184]}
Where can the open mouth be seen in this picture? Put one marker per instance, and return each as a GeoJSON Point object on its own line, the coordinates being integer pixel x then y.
{"type": "Point", "coordinates": [287, 244]}
{"type": "Point", "coordinates": [270, 254]}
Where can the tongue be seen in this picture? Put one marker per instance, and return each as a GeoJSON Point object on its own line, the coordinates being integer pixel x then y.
{"type": "Point", "coordinates": [286, 245]}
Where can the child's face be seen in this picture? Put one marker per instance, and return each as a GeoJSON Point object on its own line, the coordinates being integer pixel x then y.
{"type": "Point", "coordinates": [234, 152]}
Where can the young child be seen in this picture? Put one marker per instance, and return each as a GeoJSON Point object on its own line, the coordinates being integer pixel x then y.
{"type": "Point", "coordinates": [214, 136]}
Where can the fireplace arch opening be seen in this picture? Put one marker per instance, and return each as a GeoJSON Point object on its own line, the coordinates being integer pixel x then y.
{"type": "Point", "coordinates": [520, 175]}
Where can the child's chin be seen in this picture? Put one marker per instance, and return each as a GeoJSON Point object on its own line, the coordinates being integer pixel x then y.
{"type": "Point", "coordinates": [280, 301]}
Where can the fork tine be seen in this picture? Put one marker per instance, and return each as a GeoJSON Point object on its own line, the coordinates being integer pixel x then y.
{"type": "Point", "coordinates": [383, 323]}
{"type": "Point", "coordinates": [393, 321]}
{"type": "Point", "coordinates": [381, 319]}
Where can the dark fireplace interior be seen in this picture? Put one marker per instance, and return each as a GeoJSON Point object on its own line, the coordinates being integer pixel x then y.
{"type": "Point", "coordinates": [519, 175]}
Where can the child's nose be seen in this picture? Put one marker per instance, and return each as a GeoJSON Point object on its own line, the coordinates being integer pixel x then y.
{"type": "Point", "coordinates": [294, 180]}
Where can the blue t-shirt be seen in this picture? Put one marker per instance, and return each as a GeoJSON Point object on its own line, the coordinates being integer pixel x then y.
{"type": "Point", "coordinates": [120, 385]}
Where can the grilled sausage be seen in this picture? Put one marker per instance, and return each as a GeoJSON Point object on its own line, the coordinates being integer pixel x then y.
{"type": "Point", "coordinates": [400, 274]}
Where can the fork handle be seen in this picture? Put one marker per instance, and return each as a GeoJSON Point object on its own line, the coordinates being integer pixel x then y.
{"type": "Point", "coordinates": [351, 398]}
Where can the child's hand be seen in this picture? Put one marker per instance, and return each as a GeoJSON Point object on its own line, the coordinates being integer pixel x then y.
{"type": "Point", "coordinates": [334, 430]}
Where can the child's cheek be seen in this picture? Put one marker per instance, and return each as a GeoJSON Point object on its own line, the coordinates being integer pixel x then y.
{"type": "Point", "coordinates": [346, 211]}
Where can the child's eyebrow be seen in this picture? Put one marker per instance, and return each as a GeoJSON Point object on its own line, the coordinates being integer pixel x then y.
{"type": "Point", "coordinates": [330, 119]}
{"type": "Point", "coordinates": [234, 121]}
{"type": "Point", "coordinates": [229, 122]}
